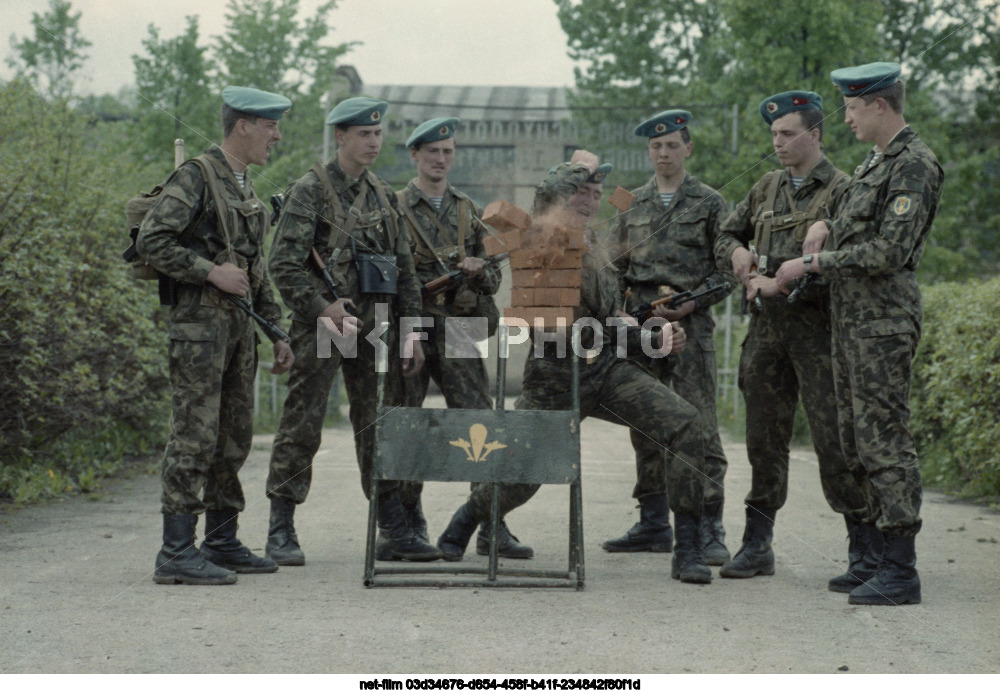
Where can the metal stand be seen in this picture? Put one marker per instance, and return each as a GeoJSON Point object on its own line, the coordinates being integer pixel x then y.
{"type": "Point", "coordinates": [527, 447]}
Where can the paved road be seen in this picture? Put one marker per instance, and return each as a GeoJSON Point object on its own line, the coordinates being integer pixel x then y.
{"type": "Point", "coordinates": [76, 594]}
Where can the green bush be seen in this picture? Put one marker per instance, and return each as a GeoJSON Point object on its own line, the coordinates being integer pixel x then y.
{"type": "Point", "coordinates": [955, 397]}
{"type": "Point", "coordinates": [80, 353]}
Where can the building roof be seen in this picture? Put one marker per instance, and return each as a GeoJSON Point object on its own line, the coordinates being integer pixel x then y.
{"type": "Point", "coordinates": [417, 103]}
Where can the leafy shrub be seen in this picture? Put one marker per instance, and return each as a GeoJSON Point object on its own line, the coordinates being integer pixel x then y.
{"type": "Point", "coordinates": [955, 397]}
{"type": "Point", "coordinates": [79, 349]}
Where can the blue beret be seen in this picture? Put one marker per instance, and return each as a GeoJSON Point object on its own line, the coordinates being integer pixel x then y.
{"type": "Point", "coordinates": [864, 79]}
{"type": "Point", "coordinates": [597, 177]}
{"type": "Point", "coordinates": [663, 123]}
{"type": "Point", "coordinates": [358, 110]}
{"type": "Point", "coordinates": [433, 130]}
{"type": "Point", "coordinates": [774, 107]}
{"type": "Point", "coordinates": [256, 102]}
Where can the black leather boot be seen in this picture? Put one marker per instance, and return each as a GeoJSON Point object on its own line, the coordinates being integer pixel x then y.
{"type": "Point", "coordinates": [282, 543]}
{"type": "Point", "coordinates": [896, 582]}
{"type": "Point", "coordinates": [508, 546]}
{"type": "Point", "coordinates": [398, 542]}
{"type": "Point", "coordinates": [688, 563]}
{"type": "Point", "coordinates": [864, 551]}
{"type": "Point", "coordinates": [755, 557]}
{"type": "Point", "coordinates": [456, 536]}
{"type": "Point", "coordinates": [180, 562]}
{"type": "Point", "coordinates": [713, 536]}
{"type": "Point", "coordinates": [652, 533]}
{"type": "Point", "coordinates": [223, 549]}
{"type": "Point", "coordinates": [415, 517]}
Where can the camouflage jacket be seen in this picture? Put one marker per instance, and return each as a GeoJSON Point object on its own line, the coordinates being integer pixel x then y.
{"type": "Point", "coordinates": [427, 266]}
{"type": "Point", "coordinates": [188, 254]}
{"type": "Point", "coordinates": [878, 236]}
{"type": "Point", "coordinates": [673, 246]}
{"type": "Point", "coordinates": [739, 228]}
{"type": "Point", "coordinates": [307, 220]}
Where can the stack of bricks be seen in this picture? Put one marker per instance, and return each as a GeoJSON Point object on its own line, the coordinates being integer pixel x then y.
{"type": "Point", "coordinates": [545, 261]}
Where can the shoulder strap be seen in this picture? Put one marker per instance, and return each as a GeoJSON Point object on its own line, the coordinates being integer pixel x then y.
{"type": "Point", "coordinates": [464, 226]}
{"type": "Point", "coordinates": [418, 230]}
{"type": "Point", "coordinates": [762, 238]}
{"type": "Point", "coordinates": [221, 208]}
{"type": "Point", "coordinates": [333, 199]}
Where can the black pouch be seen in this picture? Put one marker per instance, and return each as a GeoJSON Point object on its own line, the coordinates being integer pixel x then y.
{"type": "Point", "coordinates": [377, 274]}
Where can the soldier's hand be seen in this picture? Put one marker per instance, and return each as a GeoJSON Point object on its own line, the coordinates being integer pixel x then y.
{"type": "Point", "coordinates": [230, 279]}
{"type": "Point", "coordinates": [674, 314]}
{"type": "Point", "coordinates": [680, 338]}
{"type": "Point", "coordinates": [786, 275]}
{"type": "Point", "coordinates": [283, 358]}
{"type": "Point", "coordinates": [759, 285]}
{"type": "Point", "coordinates": [627, 318]}
{"type": "Point", "coordinates": [340, 313]}
{"type": "Point", "coordinates": [743, 261]}
{"type": "Point", "coordinates": [815, 237]}
{"type": "Point", "coordinates": [413, 355]}
{"type": "Point", "coordinates": [666, 340]}
{"type": "Point", "coordinates": [472, 266]}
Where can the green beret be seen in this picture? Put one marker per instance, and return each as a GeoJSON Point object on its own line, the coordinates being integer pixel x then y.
{"type": "Point", "coordinates": [663, 123]}
{"type": "Point", "coordinates": [433, 130]}
{"type": "Point", "coordinates": [597, 177]}
{"type": "Point", "coordinates": [864, 79]}
{"type": "Point", "coordinates": [774, 107]}
{"type": "Point", "coordinates": [256, 102]}
{"type": "Point", "coordinates": [358, 110]}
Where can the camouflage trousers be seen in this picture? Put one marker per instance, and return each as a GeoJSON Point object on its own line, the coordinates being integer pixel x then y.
{"type": "Point", "coordinates": [213, 363]}
{"type": "Point", "coordinates": [461, 378]}
{"type": "Point", "coordinates": [301, 427]}
{"type": "Point", "coordinates": [690, 374]}
{"type": "Point", "coordinates": [785, 359]}
{"type": "Point", "coordinates": [872, 388]}
{"type": "Point", "coordinates": [621, 392]}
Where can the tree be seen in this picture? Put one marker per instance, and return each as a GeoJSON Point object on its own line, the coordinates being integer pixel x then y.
{"type": "Point", "coordinates": [641, 56]}
{"type": "Point", "coordinates": [266, 46]}
{"type": "Point", "coordinates": [175, 94]}
{"type": "Point", "coordinates": [56, 52]}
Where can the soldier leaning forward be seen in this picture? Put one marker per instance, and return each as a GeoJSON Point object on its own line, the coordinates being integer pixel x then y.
{"type": "Point", "coordinates": [786, 354]}
{"type": "Point", "coordinates": [666, 245]}
{"type": "Point", "coordinates": [210, 245]}
{"type": "Point", "coordinates": [612, 388]}
{"type": "Point", "coordinates": [352, 217]}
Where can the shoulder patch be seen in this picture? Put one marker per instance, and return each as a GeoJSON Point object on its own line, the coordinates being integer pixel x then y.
{"type": "Point", "coordinates": [902, 204]}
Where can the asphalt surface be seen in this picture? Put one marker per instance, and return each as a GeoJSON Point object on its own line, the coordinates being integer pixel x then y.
{"type": "Point", "coordinates": [76, 594]}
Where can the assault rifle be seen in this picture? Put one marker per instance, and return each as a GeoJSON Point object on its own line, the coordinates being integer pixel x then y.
{"type": "Point", "coordinates": [273, 332]}
{"type": "Point", "coordinates": [644, 310]}
{"type": "Point", "coordinates": [453, 279]}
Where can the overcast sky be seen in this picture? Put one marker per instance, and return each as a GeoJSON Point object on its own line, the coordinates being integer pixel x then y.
{"type": "Point", "coordinates": [464, 42]}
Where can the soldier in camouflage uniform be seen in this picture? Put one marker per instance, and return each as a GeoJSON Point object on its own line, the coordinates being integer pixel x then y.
{"type": "Point", "coordinates": [207, 251]}
{"type": "Point", "coordinates": [366, 244]}
{"type": "Point", "coordinates": [612, 388]}
{"type": "Point", "coordinates": [446, 234]}
{"type": "Point", "coordinates": [666, 243]}
{"type": "Point", "coordinates": [786, 354]}
{"type": "Point", "coordinates": [874, 244]}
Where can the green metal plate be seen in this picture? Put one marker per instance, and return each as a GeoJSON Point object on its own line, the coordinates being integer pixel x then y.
{"type": "Point", "coordinates": [509, 446]}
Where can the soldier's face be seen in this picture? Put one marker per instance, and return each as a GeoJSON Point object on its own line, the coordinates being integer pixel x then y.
{"type": "Point", "coordinates": [261, 136]}
{"type": "Point", "coordinates": [793, 144]}
{"type": "Point", "coordinates": [586, 201]}
{"type": "Point", "coordinates": [359, 144]}
{"type": "Point", "coordinates": [668, 152]}
{"type": "Point", "coordinates": [862, 117]}
{"type": "Point", "coordinates": [434, 159]}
